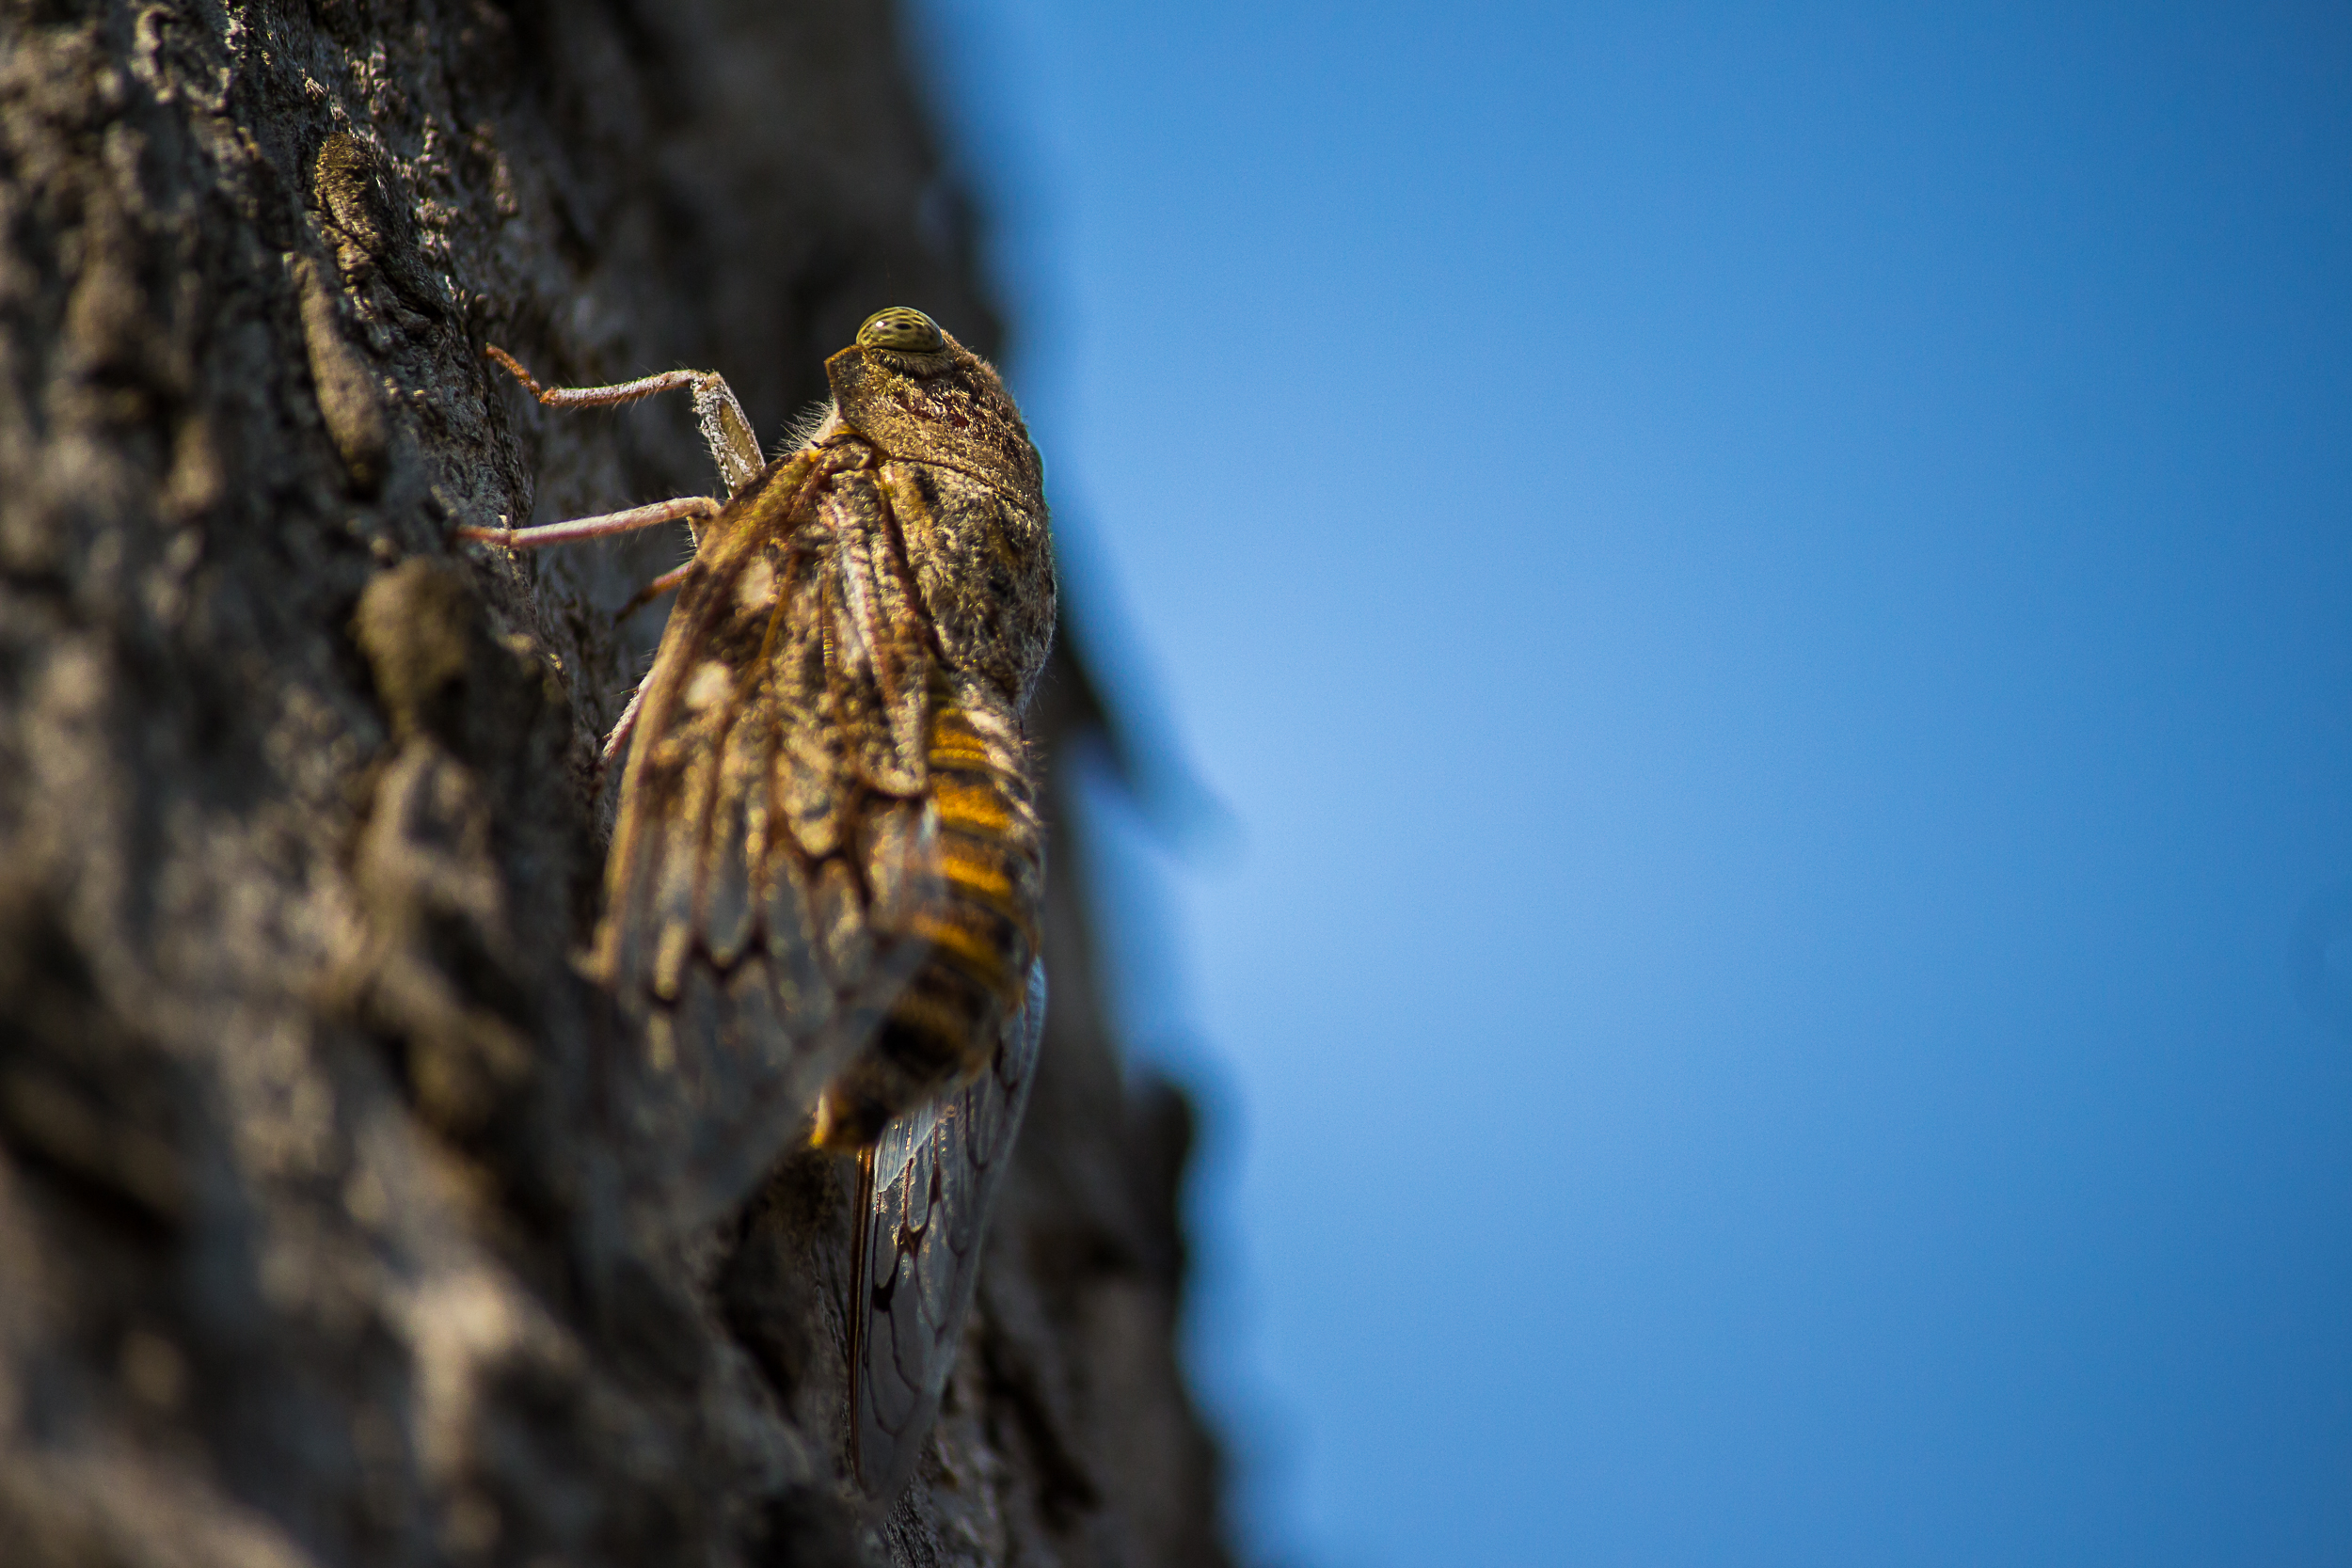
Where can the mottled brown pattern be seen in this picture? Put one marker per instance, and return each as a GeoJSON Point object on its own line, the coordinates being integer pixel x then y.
{"type": "Point", "coordinates": [828, 763]}
{"type": "Point", "coordinates": [828, 871]}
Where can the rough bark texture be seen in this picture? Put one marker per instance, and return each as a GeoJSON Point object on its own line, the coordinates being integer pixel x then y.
{"type": "Point", "coordinates": [322, 1232]}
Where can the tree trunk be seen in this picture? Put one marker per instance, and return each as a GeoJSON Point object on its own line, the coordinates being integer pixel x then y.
{"type": "Point", "coordinates": [325, 1235]}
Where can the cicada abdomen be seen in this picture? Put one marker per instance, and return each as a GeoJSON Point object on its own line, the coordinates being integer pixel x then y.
{"type": "Point", "coordinates": [978, 928]}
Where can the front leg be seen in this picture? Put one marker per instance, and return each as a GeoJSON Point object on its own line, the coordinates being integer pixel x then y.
{"type": "Point", "coordinates": [724, 426]}
{"type": "Point", "coordinates": [731, 448]}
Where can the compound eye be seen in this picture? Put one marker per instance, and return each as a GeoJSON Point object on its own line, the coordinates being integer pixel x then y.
{"type": "Point", "coordinates": [902, 329]}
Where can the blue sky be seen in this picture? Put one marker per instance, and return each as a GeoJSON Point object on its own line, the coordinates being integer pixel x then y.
{"type": "Point", "coordinates": [1766, 592]}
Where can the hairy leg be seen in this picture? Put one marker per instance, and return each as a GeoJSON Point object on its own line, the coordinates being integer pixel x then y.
{"type": "Point", "coordinates": [733, 448]}
{"type": "Point", "coordinates": [684, 509]}
{"type": "Point", "coordinates": [724, 427]}
{"type": "Point", "coordinates": [627, 722]}
{"type": "Point", "coordinates": [654, 590]}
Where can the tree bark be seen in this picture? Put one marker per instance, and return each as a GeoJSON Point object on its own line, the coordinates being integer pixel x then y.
{"type": "Point", "coordinates": [326, 1231]}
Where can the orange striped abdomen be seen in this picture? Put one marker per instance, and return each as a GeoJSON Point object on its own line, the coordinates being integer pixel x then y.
{"type": "Point", "coordinates": [982, 931]}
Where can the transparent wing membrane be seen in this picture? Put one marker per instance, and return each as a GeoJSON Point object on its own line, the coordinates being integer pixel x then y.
{"type": "Point", "coordinates": [931, 1182]}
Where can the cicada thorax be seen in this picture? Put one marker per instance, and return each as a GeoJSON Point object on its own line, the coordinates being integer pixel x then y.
{"type": "Point", "coordinates": [984, 565]}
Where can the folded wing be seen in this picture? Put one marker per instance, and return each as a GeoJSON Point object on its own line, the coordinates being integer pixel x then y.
{"type": "Point", "coordinates": [774, 831]}
{"type": "Point", "coordinates": [930, 1184]}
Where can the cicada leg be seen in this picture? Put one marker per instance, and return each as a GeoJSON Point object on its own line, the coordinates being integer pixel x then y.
{"type": "Point", "coordinates": [723, 424]}
{"type": "Point", "coordinates": [619, 738]}
{"type": "Point", "coordinates": [665, 583]}
{"type": "Point", "coordinates": [733, 448]}
{"type": "Point", "coordinates": [685, 508]}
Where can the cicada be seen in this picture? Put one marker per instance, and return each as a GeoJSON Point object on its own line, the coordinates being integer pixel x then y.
{"type": "Point", "coordinates": [826, 875]}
